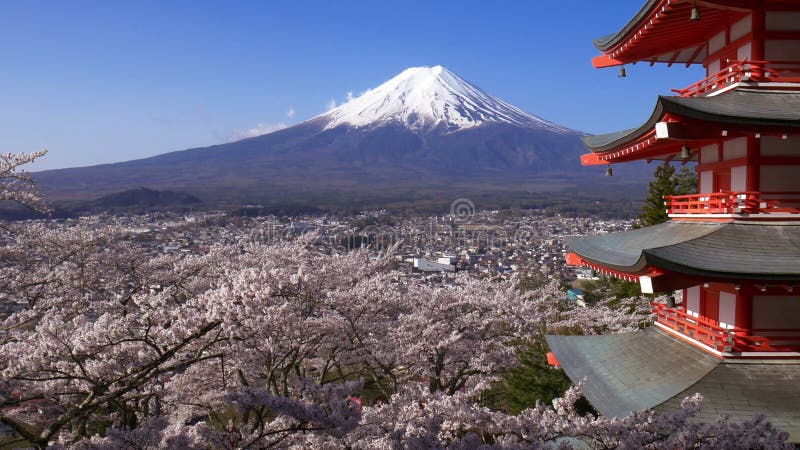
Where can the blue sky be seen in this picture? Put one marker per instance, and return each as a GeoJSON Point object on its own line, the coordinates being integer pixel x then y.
{"type": "Point", "coordinates": [98, 82]}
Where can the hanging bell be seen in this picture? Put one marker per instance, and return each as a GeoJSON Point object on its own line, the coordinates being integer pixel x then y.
{"type": "Point", "coordinates": [685, 153]}
{"type": "Point", "coordinates": [695, 13]}
{"type": "Point", "coordinates": [609, 171]}
{"type": "Point", "coordinates": [622, 73]}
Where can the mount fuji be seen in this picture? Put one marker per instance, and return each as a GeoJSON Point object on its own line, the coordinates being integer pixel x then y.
{"type": "Point", "coordinates": [426, 98]}
{"type": "Point", "coordinates": [424, 134]}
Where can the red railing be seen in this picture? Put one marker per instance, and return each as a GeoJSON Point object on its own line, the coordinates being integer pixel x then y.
{"type": "Point", "coordinates": [697, 328]}
{"type": "Point", "coordinates": [721, 339]}
{"type": "Point", "coordinates": [738, 203]}
{"type": "Point", "coordinates": [745, 70]}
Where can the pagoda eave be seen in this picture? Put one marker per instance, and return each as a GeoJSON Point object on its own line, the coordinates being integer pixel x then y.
{"type": "Point", "coordinates": [651, 278]}
{"type": "Point", "coordinates": [676, 121]}
{"type": "Point", "coordinates": [663, 32]}
{"type": "Point", "coordinates": [622, 375]}
{"type": "Point", "coordinates": [675, 255]}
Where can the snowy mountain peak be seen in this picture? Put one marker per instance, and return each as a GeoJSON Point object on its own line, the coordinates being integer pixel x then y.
{"type": "Point", "coordinates": [429, 97]}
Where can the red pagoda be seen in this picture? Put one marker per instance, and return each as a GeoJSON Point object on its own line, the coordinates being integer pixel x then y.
{"type": "Point", "coordinates": [732, 249]}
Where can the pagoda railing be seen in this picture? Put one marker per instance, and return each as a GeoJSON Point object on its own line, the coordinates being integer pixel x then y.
{"type": "Point", "coordinates": [777, 341]}
{"type": "Point", "coordinates": [734, 203]}
{"type": "Point", "coordinates": [722, 339]}
{"type": "Point", "coordinates": [745, 70]}
{"type": "Point", "coordinates": [697, 328]}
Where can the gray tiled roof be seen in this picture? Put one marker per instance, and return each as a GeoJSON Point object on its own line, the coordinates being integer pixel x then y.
{"type": "Point", "coordinates": [601, 140]}
{"type": "Point", "coordinates": [740, 106]}
{"type": "Point", "coordinates": [741, 250]}
{"type": "Point", "coordinates": [755, 107]}
{"type": "Point", "coordinates": [623, 250]}
{"type": "Point", "coordinates": [741, 390]}
{"type": "Point", "coordinates": [606, 42]}
{"type": "Point", "coordinates": [626, 372]}
{"type": "Point", "coordinates": [649, 369]}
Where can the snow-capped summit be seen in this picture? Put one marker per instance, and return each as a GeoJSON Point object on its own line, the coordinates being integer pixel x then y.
{"type": "Point", "coordinates": [429, 97]}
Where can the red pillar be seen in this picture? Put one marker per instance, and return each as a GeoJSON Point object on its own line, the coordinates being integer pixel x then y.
{"type": "Point", "coordinates": [757, 46]}
{"type": "Point", "coordinates": [753, 182]}
{"type": "Point", "coordinates": [685, 302]}
{"type": "Point", "coordinates": [744, 313]}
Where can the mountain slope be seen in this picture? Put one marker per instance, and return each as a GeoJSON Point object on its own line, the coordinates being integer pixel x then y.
{"type": "Point", "coordinates": [143, 197]}
{"type": "Point", "coordinates": [424, 132]}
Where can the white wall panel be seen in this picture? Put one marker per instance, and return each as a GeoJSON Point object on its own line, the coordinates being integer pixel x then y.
{"type": "Point", "coordinates": [727, 310]}
{"type": "Point", "coordinates": [779, 178]}
{"type": "Point", "coordinates": [741, 27]}
{"type": "Point", "coordinates": [734, 148]}
{"type": "Point", "coordinates": [706, 182]}
{"type": "Point", "coordinates": [713, 67]}
{"type": "Point", "coordinates": [693, 300]}
{"type": "Point", "coordinates": [744, 52]}
{"type": "Point", "coordinates": [739, 178]}
{"type": "Point", "coordinates": [775, 146]}
{"type": "Point", "coordinates": [776, 311]}
{"type": "Point", "coordinates": [782, 50]}
{"type": "Point", "coordinates": [709, 154]}
{"type": "Point", "coordinates": [716, 42]}
{"type": "Point", "coordinates": [783, 20]}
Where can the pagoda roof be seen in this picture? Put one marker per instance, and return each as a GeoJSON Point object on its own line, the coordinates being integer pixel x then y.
{"type": "Point", "coordinates": [623, 373]}
{"type": "Point", "coordinates": [740, 107]}
{"type": "Point", "coordinates": [729, 250]}
{"type": "Point", "coordinates": [662, 30]}
{"type": "Point", "coordinates": [607, 42]}
{"type": "Point", "coordinates": [649, 369]}
{"type": "Point", "coordinates": [742, 389]}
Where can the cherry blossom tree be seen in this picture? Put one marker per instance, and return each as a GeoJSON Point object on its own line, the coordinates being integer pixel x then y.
{"type": "Point", "coordinates": [286, 346]}
{"type": "Point", "coordinates": [17, 185]}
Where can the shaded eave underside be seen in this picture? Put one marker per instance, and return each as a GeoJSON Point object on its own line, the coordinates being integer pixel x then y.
{"type": "Point", "coordinates": [605, 43]}
{"type": "Point", "coordinates": [732, 251]}
{"type": "Point", "coordinates": [742, 107]}
{"type": "Point", "coordinates": [662, 32]}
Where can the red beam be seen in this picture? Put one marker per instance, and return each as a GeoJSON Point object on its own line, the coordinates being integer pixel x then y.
{"type": "Point", "coordinates": [573, 259]}
{"type": "Point", "coordinates": [592, 159]}
{"type": "Point", "coordinates": [747, 6]}
{"type": "Point", "coordinates": [694, 56]}
{"type": "Point", "coordinates": [602, 61]}
{"type": "Point", "coordinates": [674, 58]}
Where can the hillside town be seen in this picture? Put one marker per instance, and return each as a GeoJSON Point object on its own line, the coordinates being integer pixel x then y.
{"type": "Point", "coordinates": [428, 248]}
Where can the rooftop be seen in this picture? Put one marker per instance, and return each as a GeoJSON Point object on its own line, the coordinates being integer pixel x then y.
{"type": "Point", "coordinates": [735, 250]}
{"type": "Point", "coordinates": [662, 31]}
{"type": "Point", "coordinates": [623, 375]}
{"type": "Point", "coordinates": [739, 108]}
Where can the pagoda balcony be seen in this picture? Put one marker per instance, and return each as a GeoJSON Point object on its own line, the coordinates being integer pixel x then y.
{"type": "Point", "coordinates": [727, 342]}
{"type": "Point", "coordinates": [744, 71]}
{"type": "Point", "coordinates": [752, 205]}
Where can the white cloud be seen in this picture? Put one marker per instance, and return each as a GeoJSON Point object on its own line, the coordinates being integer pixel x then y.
{"type": "Point", "coordinates": [332, 103]}
{"type": "Point", "coordinates": [290, 113]}
{"type": "Point", "coordinates": [258, 130]}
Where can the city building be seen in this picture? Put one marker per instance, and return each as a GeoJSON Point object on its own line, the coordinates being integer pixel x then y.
{"type": "Point", "coordinates": [423, 265]}
{"type": "Point", "coordinates": [733, 249]}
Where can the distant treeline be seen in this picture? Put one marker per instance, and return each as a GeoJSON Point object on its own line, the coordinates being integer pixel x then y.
{"type": "Point", "coordinates": [550, 204]}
